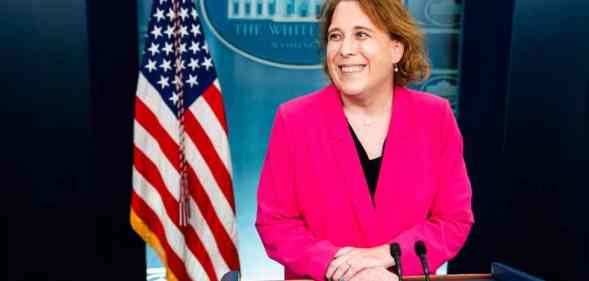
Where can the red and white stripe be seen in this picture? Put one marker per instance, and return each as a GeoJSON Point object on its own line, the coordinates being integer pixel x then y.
{"type": "Point", "coordinates": [206, 248]}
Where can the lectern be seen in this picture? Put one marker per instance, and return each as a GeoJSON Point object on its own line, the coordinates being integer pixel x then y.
{"type": "Point", "coordinates": [499, 272]}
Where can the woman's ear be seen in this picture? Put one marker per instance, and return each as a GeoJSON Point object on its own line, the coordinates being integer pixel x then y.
{"type": "Point", "coordinates": [397, 50]}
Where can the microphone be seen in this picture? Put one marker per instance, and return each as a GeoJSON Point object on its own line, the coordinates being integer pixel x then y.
{"type": "Point", "coordinates": [396, 254]}
{"type": "Point", "coordinates": [421, 253]}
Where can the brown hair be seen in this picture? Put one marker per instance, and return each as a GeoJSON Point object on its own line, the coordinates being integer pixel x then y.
{"type": "Point", "coordinates": [392, 17]}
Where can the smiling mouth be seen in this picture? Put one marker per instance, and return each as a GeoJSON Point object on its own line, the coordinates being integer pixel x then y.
{"type": "Point", "coordinates": [351, 68]}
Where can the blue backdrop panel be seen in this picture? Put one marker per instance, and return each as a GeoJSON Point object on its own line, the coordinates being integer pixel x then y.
{"type": "Point", "coordinates": [266, 55]}
{"type": "Point", "coordinates": [526, 133]}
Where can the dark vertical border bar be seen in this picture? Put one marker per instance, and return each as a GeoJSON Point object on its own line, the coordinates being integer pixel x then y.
{"type": "Point", "coordinates": [113, 50]}
{"type": "Point", "coordinates": [48, 226]}
{"type": "Point", "coordinates": [483, 83]}
{"type": "Point", "coordinates": [546, 144]}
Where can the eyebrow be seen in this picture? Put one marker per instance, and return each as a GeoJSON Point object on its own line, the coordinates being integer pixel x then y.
{"type": "Point", "coordinates": [357, 27]}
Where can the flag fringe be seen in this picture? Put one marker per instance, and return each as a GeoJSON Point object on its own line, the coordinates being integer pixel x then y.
{"type": "Point", "coordinates": [151, 239]}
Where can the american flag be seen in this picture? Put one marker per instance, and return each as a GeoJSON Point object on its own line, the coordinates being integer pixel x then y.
{"type": "Point", "coordinates": [182, 201]}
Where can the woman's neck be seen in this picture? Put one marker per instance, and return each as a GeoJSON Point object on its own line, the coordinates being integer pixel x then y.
{"type": "Point", "coordinates": [368, 104]}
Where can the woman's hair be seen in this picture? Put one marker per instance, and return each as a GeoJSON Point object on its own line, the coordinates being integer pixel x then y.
{"type": "Point", "coordinates": [392, 17]}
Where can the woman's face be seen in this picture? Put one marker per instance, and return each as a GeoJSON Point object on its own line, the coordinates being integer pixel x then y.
{"type": "Point", "coordinates": [360, 56]}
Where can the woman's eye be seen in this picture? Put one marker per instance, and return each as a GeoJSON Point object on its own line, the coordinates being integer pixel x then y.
{"type": "Point", "coordinates": [334, 36]}
{"type": "Point", "coordinates": [362, 35]}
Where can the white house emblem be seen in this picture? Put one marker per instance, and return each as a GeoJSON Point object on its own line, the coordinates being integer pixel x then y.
{"type": "Point", "coordinates": [281, 33]}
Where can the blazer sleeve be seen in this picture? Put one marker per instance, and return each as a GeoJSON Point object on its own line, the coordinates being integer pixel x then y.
{"type": "Point", "coordinates": [450, 217]}
{"type": "Point", "coordinates": [279, 221]}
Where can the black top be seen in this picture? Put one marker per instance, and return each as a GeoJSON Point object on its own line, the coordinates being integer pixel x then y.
{"type": "Point", "coordinates": [371, 167]}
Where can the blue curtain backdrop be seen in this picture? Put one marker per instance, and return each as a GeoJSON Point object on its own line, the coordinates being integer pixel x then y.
{"type": "Point", "coordinates": [267, 55]}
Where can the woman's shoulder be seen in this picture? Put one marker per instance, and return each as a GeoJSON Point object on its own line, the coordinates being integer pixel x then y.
{"type": "Point", "coordinates": [425, 99]}
{"type": "Point", "coordinates": [306, 105]}
{"type": "Point", "coordinates": [426, 106]}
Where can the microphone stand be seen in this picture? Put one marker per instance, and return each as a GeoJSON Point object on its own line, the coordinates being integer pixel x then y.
{"type": "Point", "coordinates": [396, 254]}
{"type": "Point", "coordinates": [421, 253]}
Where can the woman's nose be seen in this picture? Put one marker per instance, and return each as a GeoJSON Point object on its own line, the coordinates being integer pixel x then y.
{"type": "Point", "coordinates": [348, 47]}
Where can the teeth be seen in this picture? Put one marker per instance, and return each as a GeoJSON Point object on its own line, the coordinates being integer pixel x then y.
{"type": "Point", "coordinates": [351, 68]}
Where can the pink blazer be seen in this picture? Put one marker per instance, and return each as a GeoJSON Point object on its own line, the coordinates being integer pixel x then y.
{"type": "Point", "coordinates": [313, 197]}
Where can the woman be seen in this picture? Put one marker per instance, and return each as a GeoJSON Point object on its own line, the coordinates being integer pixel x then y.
{"type": "Point", "coordinates": [364, 162]}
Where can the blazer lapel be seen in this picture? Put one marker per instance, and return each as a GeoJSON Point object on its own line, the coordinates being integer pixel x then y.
{"type": "Point", "coordinates": [395, 156]}
{"type": "Point", "coordinates": [348, 163]}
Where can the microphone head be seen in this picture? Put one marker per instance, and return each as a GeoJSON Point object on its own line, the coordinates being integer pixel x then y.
{"type": "Point", "coordinates": [395, 250]}
{"type": "Point", "coordinates": [420, 248]}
